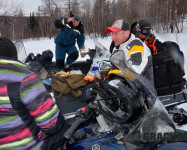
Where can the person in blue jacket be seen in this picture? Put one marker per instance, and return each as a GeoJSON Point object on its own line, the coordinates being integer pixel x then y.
{"type": "Point", "coordinates": [71, 30]}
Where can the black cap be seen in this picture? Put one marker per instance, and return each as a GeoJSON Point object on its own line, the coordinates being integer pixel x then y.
{"type": "Point", "coordinates": [7, 48]}
{"type": "Point", "coordinates": [77, 18]}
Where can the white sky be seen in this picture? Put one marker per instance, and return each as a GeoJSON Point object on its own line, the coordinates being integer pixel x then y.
{"type": "Point", "coordinates": [29, 5]}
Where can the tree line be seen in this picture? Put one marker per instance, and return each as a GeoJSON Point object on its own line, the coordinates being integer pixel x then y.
{"type": "Point", "coordinates": [96, 15]}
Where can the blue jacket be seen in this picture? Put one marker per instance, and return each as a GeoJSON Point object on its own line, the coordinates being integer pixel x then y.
{"type": "Point", "coordinates": [68, 34]}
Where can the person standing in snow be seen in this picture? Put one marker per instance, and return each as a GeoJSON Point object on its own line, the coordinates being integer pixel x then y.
{"type": "Point", "coordinates": [29, 119]}
{"type": "Point", "coordinates": [71, 29]}
{"type": "Point", "coordinates": [137, 54]}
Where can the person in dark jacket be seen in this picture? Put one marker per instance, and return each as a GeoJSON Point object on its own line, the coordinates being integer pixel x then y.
{"type": "Point", "coordinates": [29, 119]}
{"type": "Point", "coordinates": [71, 30]}
{"type": "Point", "coordinates": [143, 30]}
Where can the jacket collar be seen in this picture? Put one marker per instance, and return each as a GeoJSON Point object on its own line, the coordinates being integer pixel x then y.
{"type": "Point", "coordinates": [124, 45]}
{"type": "Point", "coordinates": [11, 61]}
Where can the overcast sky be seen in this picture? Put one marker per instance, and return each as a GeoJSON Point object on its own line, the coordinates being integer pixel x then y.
{"type": "Point", "coordinates": [29, 5]}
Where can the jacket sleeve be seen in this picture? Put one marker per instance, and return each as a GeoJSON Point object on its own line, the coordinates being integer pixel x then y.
{"type": "Point", "coordinates": [159, 46]}
{"type": "Point", "coordinates": [137, 55]}
{"type": "Point", "coordinates": [40, 105]}
{"type": "Point", "coordinates": [155, 45]}
{"type": "Point", "coordinates": [81, 39]}
{"type": "Point", "coordinates": [60, 22]}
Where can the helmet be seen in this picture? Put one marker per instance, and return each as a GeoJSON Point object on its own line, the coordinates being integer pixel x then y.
{"type": "Point", "coordinates": [141, 26]}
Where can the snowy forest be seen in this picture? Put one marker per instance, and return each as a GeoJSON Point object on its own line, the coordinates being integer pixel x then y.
{"type": "Point", "coordinates": [166, 15]}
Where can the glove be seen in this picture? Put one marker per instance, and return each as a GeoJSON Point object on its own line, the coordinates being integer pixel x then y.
{"type": "Point", "coordinates": [151, 39]}
{"type": "Point", "coordinates": [90, 95]}
{"type": "Point", "coordinates": [82, 52]}
{"type": "Point", "coordinates": [70, 19]}
{"type": "Point", "coordinates": [112, 45]}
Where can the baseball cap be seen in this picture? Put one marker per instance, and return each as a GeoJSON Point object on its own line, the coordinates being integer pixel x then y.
{"type": "Point", "coordinates": [117, 26]}
{"type": "Point", "coordinates": [77, 18]}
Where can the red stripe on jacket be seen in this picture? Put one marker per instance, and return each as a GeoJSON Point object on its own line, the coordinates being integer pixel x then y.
{"type": "Point", "coordinates": [43, 108]}
{"type": "Point", "coordinates": [5, 109]}
{"type": "Point", "coordinates": [54, 121]}
{"type": "Point", "coordinates": [3, 90]}
{"type": "Point", "coordinates": [29, 78]}
{"type": "Point", "coordinates": [18, 136]}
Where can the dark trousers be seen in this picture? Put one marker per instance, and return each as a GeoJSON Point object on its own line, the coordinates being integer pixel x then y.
{"type": "Point", "coordinates": [61, 55]}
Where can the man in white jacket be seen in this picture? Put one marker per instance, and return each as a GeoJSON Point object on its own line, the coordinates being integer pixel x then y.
{"type": "Point", "coordinates": [137, 54]}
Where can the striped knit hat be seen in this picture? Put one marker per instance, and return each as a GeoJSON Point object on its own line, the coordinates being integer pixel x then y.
{"type": "Point", "coordinates": [7, 48]}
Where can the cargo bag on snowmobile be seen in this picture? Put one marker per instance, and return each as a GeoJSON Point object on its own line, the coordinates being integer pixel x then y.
{"type": "Point", "coordinates": [67, 84]}
{"type": "Point", "coordinates": [168, 68]}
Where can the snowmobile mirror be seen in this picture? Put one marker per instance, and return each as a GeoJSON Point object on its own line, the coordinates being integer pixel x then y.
{"type": "Point", "coordinates": [29, 58]}
{"type": "Point", "coordinates": [42, 73]}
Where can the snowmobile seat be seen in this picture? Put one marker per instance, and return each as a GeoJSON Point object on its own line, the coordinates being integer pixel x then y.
{"type": "Point", "coordinates": [168, 69]}
{"type": "Point", "coordinates": [69, 104]}
{"type": "Point", "coordinates": [169, 101]}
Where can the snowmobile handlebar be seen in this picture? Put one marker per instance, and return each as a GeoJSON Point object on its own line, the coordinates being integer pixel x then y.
{"type": "Point", "coordinates": [73, 127]}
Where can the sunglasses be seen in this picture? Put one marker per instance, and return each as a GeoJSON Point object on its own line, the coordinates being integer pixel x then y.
{"type": "Point", "coordinates": [147, 31]}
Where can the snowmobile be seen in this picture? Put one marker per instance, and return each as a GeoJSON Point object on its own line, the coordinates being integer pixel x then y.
{"type": "Point", "coordinates": [99, 59]}
{"type": "Point", "coordinates": [124, 120]}
{"type": "Point", "coordinates": [42, 64]}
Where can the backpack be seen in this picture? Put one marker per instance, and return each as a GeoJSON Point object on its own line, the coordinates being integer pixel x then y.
{"type": "Point", "coordinates": [168, 69]}
{"type": "Point", "coordinates": [67, 84]}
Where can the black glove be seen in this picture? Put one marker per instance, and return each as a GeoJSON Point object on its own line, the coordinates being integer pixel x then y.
{"type": "Point", "coordinates": [112, 45]}
{"type": "Point", "coordinates": [92, 53]}
{"type": "Point", "coordinates": [90, 95]}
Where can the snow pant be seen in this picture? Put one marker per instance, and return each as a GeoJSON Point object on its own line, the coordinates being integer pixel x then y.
{"type": "Point", "coordinates": [61, 54]}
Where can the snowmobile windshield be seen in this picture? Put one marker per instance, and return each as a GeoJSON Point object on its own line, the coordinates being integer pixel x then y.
{"type": "Point", "coordinates": [155, 128]}
{"type": "Point", "coordinates": [22, 55]}
{"type": "Point", "coordinates": [155, 122]}
{"type": "Point", "coordinates": [118, 59]}
{"type": "Point", "coordinates": [101, 51]}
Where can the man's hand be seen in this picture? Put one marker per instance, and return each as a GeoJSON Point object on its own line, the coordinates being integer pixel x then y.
{"type": "Point", "coordinates": [70, 19]}
{"type": "Point", "coordinates": [83, 53]}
